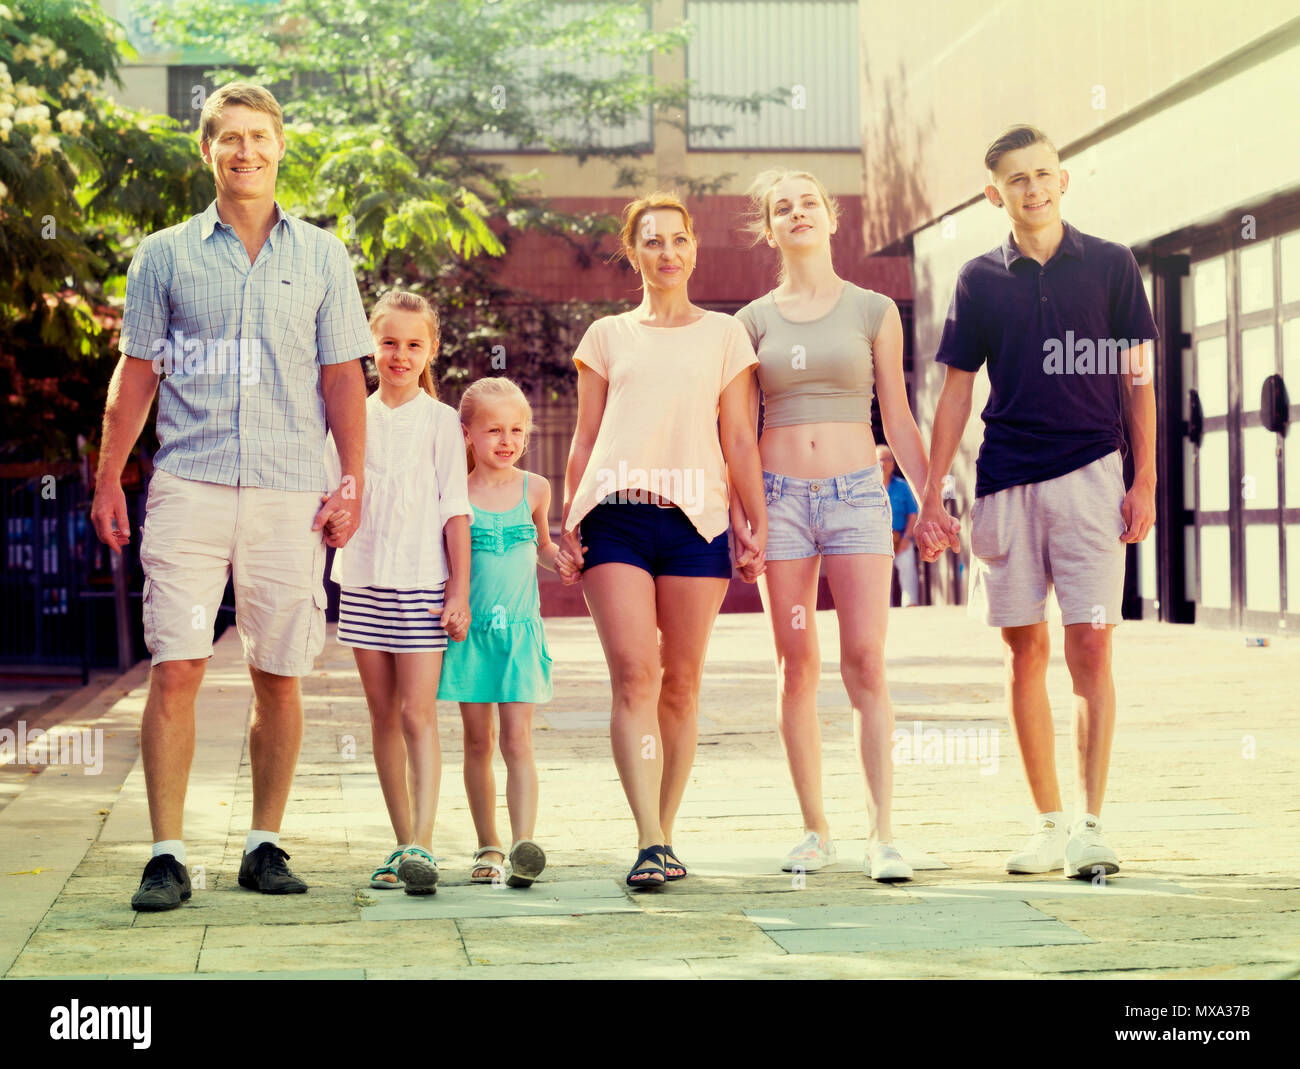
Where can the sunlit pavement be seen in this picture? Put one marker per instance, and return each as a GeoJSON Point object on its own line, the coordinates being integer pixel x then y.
{"type": "Point", "coordinates": [1201, 808]}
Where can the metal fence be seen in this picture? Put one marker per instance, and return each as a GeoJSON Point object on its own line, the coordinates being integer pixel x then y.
{"type": "Point", "coordinates": [46, 578]}
{"type": "Point", "coordinates": [63, 607]}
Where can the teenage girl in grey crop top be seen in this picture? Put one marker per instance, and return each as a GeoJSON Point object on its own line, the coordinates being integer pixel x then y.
{"type": "Point", "coordinates": [825, 501]}
{"type": "Point", "coordinates": [832, 381]}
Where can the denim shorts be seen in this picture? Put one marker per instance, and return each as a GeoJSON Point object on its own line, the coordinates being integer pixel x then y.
{"type": "Point", "coordinates": [662, 541]}
{"type": "Point", "coordinates": [839, 514]}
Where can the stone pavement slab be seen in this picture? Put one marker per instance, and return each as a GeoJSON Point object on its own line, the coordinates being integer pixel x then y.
{"type": "Point", "coordinates": [960, 922]}
{"type": "Point", "coordinates": [562, 898]}
{"type": "Point", "coordinates": [1201, 810]}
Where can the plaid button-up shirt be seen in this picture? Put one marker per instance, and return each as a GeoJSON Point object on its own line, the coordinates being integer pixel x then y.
{"type": "Point", "coordinates": [240, 347]}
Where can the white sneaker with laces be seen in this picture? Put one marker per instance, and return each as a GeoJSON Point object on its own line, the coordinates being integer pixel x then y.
{"type": "Point", "coordinates": [1086, 855]}
{"type": "Point", "coordinates": [884, 862]}
{"type": "Point", "coordinates": [810, 855]}
{"type": "Point", "coordinates": [1045, 850]}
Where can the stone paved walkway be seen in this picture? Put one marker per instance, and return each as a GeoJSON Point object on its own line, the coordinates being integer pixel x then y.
{"type": "Point", "coordinates": [1202, 807]}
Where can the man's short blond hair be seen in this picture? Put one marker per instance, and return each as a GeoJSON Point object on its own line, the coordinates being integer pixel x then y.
{"type": "Point", "coordinates": [245, 93]}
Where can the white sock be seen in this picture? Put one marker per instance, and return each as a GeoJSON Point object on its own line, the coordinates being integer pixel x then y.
{"type": "Point", "coordinates": [175, 847]}
{"type": "Point", "coordinates": [1057, 818]}
{"type": "Point", "coordinates": [257, 838]}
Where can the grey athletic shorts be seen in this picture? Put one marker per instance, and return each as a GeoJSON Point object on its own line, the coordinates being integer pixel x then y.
{"type": "Point", "coordinates": [1062, 533]}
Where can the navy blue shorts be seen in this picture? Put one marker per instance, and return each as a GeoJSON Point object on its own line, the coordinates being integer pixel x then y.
{"type": "Point", "coordinates": [662, 541]}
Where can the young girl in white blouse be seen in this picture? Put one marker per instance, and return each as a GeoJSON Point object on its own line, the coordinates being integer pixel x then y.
{"type": "Point", "coordinates": [403, 591]}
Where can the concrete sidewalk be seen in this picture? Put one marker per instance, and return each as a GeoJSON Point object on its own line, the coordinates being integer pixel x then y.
{"type": "Point", "coordinates": [1202, 808]}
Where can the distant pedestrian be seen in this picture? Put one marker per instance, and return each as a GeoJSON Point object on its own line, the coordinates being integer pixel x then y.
{"type": "Point", "coordinates": [902, 507]}
{"type": "Point", "coordinates": [404, 581]}
{"type": "Point", "coordinates": [254, 320]}
{"type": "Point", "coordinates": [503, 667]}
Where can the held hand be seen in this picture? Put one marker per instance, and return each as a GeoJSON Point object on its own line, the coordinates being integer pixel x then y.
{"type": "Point", "coordinates": [455, 618]}
{"type": "Point", "coordinates": [1138, 512]}
{"type": "Point", "coordinates": [337, 523]}
{"type": "Point", "coordinates": [340, 531]}
{"type": "Point", "coordinates": [751, 571]}
{"type": "Point", "coordinates": [109, 516]}
{"type": "Point", "coordinates": [936, 531]}
{"type": "Point", "coordinates": [751, 551]}
{"type": "Point", "coordinates": [569, 561]}
{"type": "Point", "coordinates": [564, 568]}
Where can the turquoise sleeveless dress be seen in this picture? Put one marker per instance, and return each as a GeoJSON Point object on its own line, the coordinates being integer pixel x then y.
{"type": "Point", "coordinates": [504, 657]}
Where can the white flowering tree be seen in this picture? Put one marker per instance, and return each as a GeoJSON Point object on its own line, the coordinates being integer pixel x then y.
{"type": "Point", "coordinates": [81, 179]}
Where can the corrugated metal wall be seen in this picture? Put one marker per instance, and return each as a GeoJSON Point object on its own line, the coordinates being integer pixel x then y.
{"type": "Point", "coordinates": [634, 133]}
{"type": "Point", "coordinates": [808, 48]}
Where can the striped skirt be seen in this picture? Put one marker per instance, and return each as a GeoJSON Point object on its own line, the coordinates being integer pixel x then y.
{"type": "Point", "coordinates": [396, 621]}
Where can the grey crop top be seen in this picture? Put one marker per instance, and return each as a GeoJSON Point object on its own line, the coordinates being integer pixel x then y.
{"type": "Point", "coordinates": [820, 371]}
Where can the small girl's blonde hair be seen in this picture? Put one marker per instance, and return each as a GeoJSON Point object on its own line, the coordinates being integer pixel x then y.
{"type": "Point", "coordinates": [485, 392]}
{"type": "Point", "coordinates": [401, 301]}
{"type": "Point", "coordinates": [759, 218]}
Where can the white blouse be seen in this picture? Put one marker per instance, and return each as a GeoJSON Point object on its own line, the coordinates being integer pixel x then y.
{"type": "Point", "coordinates": [416, 481]}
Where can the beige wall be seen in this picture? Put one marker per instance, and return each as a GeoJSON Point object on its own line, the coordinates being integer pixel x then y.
{"type": "Point", "coordinates": [941, 78]}
{"type": "Point", "coordinates": [143, 88]}
{"type": "Point", "coordinates": [562, 176]}
{"type": "Point", "coordinates": [1225, 146]}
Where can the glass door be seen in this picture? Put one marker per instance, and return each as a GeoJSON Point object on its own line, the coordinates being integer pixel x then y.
{"type": "Point", "coordinates": [1241, 454]}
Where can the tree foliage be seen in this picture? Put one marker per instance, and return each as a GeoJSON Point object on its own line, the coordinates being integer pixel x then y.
{"type": "Point", "coordinates": [81, 179]}
{"type": "Point", "coordinates": [392, 109]}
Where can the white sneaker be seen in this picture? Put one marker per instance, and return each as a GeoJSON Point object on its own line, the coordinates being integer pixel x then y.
{"type": "Point", "coordinates": [884, 862]}
{"type": "Point", "coordinates": [1086, 855]}
{"type": "Point", "coordinates": [1045, 850]}
{"type": "Point", "coordinates": [810, 855]}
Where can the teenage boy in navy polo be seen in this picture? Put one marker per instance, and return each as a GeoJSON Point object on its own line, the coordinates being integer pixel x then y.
{"type": "Point", "coordinates": [1062, 321]}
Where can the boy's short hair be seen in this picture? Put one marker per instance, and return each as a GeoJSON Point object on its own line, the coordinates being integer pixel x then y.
{"type": "Point", "coordinates": [1016, 137]}
{"type": "Point", "coordinates": [245, 93]}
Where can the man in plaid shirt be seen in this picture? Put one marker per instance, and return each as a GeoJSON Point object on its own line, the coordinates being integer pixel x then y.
{"type": "Point", "coordinates": [252, 322]}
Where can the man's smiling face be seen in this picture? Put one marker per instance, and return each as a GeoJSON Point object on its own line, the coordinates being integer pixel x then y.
{"type": "Point", "coordinates": [244, 154]}
{"type": "Point", "coordinates": [1029, 182]}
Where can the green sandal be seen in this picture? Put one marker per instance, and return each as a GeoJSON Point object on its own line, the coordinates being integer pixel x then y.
{"type": "Point", "coordinates": [388, 866]}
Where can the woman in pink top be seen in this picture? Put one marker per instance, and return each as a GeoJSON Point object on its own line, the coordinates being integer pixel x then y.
{"type": "Point", "coordinates": [646, 511]}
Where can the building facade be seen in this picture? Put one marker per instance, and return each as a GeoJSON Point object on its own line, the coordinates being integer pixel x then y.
{"type": "Point", "coordinates": [1178, 124]}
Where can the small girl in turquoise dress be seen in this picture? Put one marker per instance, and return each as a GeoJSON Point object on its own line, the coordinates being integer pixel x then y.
{"type": "Point", "coordinates": [503, 660]}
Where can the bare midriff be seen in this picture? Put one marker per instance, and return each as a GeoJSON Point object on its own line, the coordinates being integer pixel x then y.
{"type": "Point", "coordinates": [817, 450]}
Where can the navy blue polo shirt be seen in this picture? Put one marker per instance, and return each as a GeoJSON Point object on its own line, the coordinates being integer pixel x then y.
{"type": "Point", "coordinates": [1055, 337]}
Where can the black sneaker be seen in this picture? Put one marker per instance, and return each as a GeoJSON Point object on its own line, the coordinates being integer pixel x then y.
{"type": "Point", "coordinates": [164, 885]}
{"type": "Point", "coordinates": [265, 870]}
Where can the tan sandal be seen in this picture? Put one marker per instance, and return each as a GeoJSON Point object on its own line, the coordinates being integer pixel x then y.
{"type": "Point", "coordinates": [498, 870]}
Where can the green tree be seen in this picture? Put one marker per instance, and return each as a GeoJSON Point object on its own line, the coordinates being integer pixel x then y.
{"type": "Point", "coordinates": [390, 106]}
{"type": "Point", "coordinates": [81, 180]}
